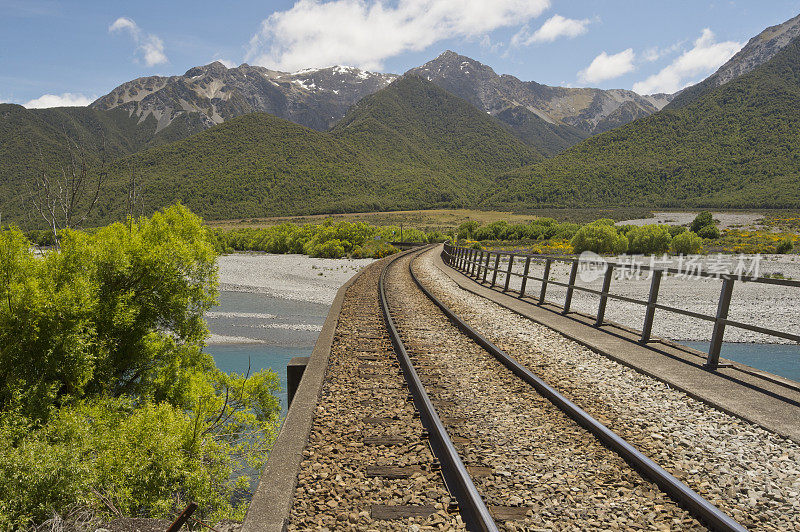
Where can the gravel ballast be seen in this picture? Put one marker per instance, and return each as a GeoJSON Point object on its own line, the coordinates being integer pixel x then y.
{"type": "Point", "coordinates": [363, 403]}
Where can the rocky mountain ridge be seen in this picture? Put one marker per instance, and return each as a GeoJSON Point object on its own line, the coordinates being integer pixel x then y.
{"type": "Point", "coordinates": [316, 98]}
{"type": "Point", "coordinates": [587, 109]}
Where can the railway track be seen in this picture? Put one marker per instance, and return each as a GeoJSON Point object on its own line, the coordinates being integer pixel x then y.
{"type": "Point", "coordinates": [421, 416]}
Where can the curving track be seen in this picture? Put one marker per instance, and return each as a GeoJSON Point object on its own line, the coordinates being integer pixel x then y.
{"type": "Point", "coordinates": [422, 425]}
{"type": "Point", "coordinates": [523, 440]}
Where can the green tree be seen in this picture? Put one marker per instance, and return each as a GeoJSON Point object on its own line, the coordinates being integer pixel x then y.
{"type": "Point", "coordinates": [649, 239]}
{"type": "Point", "coordinates": [686, 243]}
{"type": "Point", "coordinates": [700, 221]}
{"type": "Point", "coordinates": [599, 238]}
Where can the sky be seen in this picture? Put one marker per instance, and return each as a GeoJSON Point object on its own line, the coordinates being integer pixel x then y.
{"type": "Point", "coordinates": [71, 52]}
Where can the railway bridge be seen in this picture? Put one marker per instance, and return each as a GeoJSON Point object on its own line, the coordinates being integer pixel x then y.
{"type": "Point", "coordinates": [441, 397]}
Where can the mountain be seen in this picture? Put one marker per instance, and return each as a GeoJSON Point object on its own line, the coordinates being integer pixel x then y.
{"type": "Point", "coordinates": [556, 117]}
{"type": "Point", "coordinates": [316, 98]}
{"type": "Point", "coordinates": [588, 110]}
{"type": "Point", "coordinates": [734, 146]}
{"type": "Point", "coordinates": [757, 51]}
{"type": "Point", "coordinates": [410, 145]}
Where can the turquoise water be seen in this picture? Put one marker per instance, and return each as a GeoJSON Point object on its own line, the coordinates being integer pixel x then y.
{"type": "Point", "coordinates": [234, 359]}
{"type": "Point", "coordinates": [779, 359]}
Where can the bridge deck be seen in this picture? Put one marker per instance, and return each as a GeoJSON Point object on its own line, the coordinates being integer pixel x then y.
{"type": "Point", "coordinates": [766, 400]}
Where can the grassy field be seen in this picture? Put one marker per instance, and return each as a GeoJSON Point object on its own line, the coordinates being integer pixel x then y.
{"type": "Point", "coordinates": [440, 219]}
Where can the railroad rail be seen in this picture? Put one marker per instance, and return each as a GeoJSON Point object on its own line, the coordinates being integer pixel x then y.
{"type": "Point", "coordinates": [473, 507]}
{"type": "Point", "coordinates": [485, 267]}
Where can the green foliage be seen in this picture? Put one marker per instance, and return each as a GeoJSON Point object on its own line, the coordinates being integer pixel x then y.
{"type": "Point", "coordinates": [784, 246]}
{"type": "Point", "coordinates": [329, 240]}
{"type": "Point", "coordinates": [649, 239]}
{"type": "Point", "coordinates": [686, 243]}
{"type": "Point", "coordinates": [675, 230]}
{"type": "Point", "coordinates": [467, 229]}
{"type": "Point", "coordinates": [103, 384]}
{"type": "Point", "coordinates": [700, 221]}
{"type": "Point", "coordinates": [599, 238]}
{"type": "Point", "coordinates": [733, 146]}
{"type": "Point", "coordinates": [709, 231]}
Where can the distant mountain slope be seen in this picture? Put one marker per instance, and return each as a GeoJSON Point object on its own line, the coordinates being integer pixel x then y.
{"type": "Point", "coordinates": [411, 145]}
{"type": "Point", "coordinates": [316, 98]}
{"type": "Point", "coordinates": [735, 146]}
{"type": "Point", "coordinates": [35, 139]}
{"type": "Point", "coordinates": [588, 110]}
{"type": "Point", "coordinates": [757, 51]}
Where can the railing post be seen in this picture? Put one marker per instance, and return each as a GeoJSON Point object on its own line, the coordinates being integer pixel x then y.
{"type": "Point", "coordinates": [496, 266]}
{"type": "Point", "coordinates": [545, 277]}
{"type": "Point", "coordinates": [478, 263]}
{"type": "Point", "coordinates": [650, 313]}
{"type": "Point", "coordinates": [719, 324]}
{"type": "Point", "coordinates": [462, 258]}
{"type": "Point", "coordinates": [525, 277]}
{"type": "Point", "coordinates": [486, 266]}
{"type": "Point", "coordinates": [601, 308]}
{"type": "Point", "coordinates": [475, 261]}
{"type": "Point", "coordinates": [508, 271]}
{"type": "Point", "coordinates": [573, 273]}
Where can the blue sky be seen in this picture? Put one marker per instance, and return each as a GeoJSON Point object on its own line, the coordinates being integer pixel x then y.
{"type": "Point", "coordinates": [58, 52]}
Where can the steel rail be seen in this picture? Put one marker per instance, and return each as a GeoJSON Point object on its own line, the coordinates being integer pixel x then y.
{"type": "Point", "coordinates": [704, 511]}
{"type": "Point", "coordinates": [473, 510]}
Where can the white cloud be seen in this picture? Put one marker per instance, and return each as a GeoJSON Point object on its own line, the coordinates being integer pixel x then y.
{"type": "Point", "coordinates": [705, 57]}
{"type": "Point", "coordinates": [67, 99]}
{"type": "Point", "coordinates": [364, 33]}
{"type": "Point", "coordinates": [553, 28]}
{"type": "Point", "coordinates": [150, 46]}
{"type": "Point", "coordinates": [604, 66]}
{"type": "Point", "coordinates": [489, 46]}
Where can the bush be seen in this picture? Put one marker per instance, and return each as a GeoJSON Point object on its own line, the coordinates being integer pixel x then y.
{"type": "Point", "coordinates": [784, 246]}
{"type": "Point", "coordinates": [599, 238]}
{"type": "Point", "coordinates": [687, 243]}
{"type": "Point", "coordinates": [467, 230]}
{"type": "Point", "coordinates": [649, 239]}
{"type": "Point", "coordinates": [710, 232]}
{"type": "Point", "coordinates": [700, 221]}
{"type": "Point", "coordinates": [675, 230]}
{"type": "Point", "coordinates": [437, 236]}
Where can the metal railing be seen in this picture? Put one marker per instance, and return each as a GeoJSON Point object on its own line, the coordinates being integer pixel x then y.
{"type": "Point", "coordinates": [477, 264]}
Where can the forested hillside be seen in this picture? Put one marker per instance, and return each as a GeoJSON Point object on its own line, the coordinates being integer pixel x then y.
{"type": "Point", "coordinates": [735, 146]}
{"type": "Point", "coordinates": [411, 145]}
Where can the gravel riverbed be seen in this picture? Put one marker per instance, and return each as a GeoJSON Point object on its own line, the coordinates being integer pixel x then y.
{"type": "Point", "coordinates": [748, 472]}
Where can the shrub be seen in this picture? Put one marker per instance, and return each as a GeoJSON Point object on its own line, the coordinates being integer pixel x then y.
{"type": "Point", "coordinates": [784, 246]}
{"type": "Point", "coordinates": [701, 220]}
{"type": "Point", "coordinates": [710, 232]}
{"type": "Point", "coordinates": [625, 229]}
{"type": "Point", "coordinates": [124, 402]}
{"type": "Point", "coordinates": [467, 229]}
{"type": "Point", "coordinates": [687, 243]}
{"type": "Point", "coordinates": [565, 231]}
{"type": "Point", "coordinates": [599, 238]}
{"type": "Point", "coordinates": [675, 230]}
{"type": "Point", "coordinates": [437, 236]}
{"type": "Point", "coordinates": [649, 239]}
